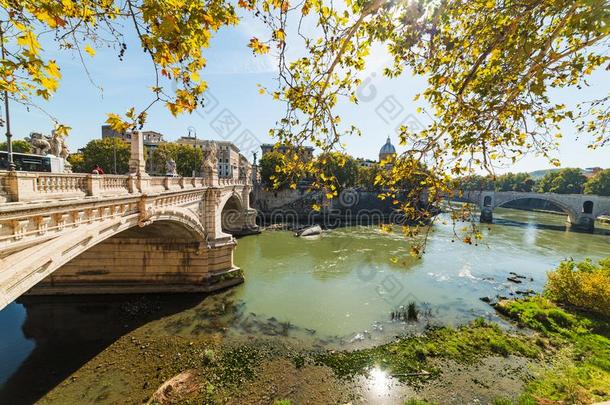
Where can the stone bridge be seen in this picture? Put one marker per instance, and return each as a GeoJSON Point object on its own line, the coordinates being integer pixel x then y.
{"type": "Point", "coordinates": [581, 209]}
{"type": "Point", "coordinates": [87, 233]}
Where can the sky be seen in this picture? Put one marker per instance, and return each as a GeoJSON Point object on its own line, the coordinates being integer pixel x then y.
{"type": "Point", "coordinates": [238, 113]}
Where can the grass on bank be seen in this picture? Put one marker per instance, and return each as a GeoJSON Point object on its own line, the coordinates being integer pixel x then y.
{"type": "Point", "coordinates": [578, 370]}
{"type": "Point", "coordinates": [409, 356]}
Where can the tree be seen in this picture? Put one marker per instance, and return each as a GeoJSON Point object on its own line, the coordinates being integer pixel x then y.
{"type": "Point", "coordinates": [459, 46]}
{"type": "Point", "coordinates": [188, 159]}
{"type": "Point", "coordinates": [77, 160]}
{"type": "Point", "coordinates": [514, 182]}
{"type": "Point", "coordinates": [565, 181]}
{"type": "Point", "coordinates": [366, 177]}
{"type": "Point", "coordinates": [172, 34]}
{"type": "Point", "coordinates": [19, 146]}
{"type": "Point", "coordinates": [271, 175]}
{"type": "Point", "coordinates": [338, 166]}
{"type": "Point", "coordinates": [474, 183]}
{"type": "Point", "coordinates": [489, 65]}
{"type": "Point", "coordinates": [599, 184]}
{"type": "Point", "coordinates": [102, 152]}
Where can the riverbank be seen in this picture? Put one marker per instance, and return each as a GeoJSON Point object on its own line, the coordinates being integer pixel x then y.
{"type": "Point", "coordinates": [561, 355]}
{"type": "Point", "coordinates": [555, 350]}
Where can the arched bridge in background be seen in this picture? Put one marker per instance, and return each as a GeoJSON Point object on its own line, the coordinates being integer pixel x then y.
{"type": "Point", "coordinates": [86, 233]}
{"type": "Point", "coordinates": [581, 209]}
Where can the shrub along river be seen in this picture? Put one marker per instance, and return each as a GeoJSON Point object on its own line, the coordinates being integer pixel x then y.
{"type": "Point", "coordinates": [345, 288]}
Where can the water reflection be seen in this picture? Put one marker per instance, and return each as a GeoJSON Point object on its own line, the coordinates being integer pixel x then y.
{"type": "Point", "coordinates": [66, 332]}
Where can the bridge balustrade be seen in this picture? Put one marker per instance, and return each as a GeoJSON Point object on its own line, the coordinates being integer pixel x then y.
{"type": "Point", "coordinates": [115, 184]}
{"type": "Point", "coordinates": [30, 186]}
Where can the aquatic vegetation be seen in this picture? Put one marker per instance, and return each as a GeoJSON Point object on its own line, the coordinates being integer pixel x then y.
{"type": "Point", "coordinates": [585, 285]}
{"type": "Point", "coordinates": [409, 313]}
{"type": "Point", "coordinates": [408, 356]}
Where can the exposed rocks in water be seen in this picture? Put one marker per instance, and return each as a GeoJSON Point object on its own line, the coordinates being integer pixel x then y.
{"type": "Point", "coordinates": [514, 280]}
{"type": "Point", "coordinates": [278, 227]}
{"type": "Point", "coordinates": [525, 292]}
{"type": "Point", "coordinates": [309, 231]}
{"type": "Point", "coordinates": [485, 299]}
{"type": "Point", "coordinates": [139, 307]}
{"type": "Point", "coordinates": [177, 388]}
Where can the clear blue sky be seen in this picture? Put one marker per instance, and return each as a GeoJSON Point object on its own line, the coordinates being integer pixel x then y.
{"type": "Point", "coordinates": [232, 74]}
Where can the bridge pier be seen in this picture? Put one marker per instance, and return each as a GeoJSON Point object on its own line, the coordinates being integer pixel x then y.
{"type": "Point", "coordinates": [486, 215]}
{"type": "Point", "coordinates": [582, 223]}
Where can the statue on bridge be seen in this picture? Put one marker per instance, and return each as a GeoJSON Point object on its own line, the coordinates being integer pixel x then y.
{"type": "Point", "coordinates": [53, 144]}
{"type": "Point", "coordinates": [41, 144]}
{"type": "Point", "coordinates": [210, 160]}
{"type": "Point", "coordinates": [170, 168]}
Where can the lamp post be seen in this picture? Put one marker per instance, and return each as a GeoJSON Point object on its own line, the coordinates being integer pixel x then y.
{"type": "Point", "coordinates": [194, 132]}
{"type": "Point", "coordinates": [9, 144]}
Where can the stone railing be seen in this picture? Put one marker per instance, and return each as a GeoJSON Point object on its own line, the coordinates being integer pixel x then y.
{"type": "Point", "coordinates": [114, 184]}
{"type": "Point", "coordinates": [60, 184]}
{"type": "Point", "coordinates": [4, 191]}
{"type": "Point", "coordinates": [231, 181]}
{"type": "Point", "coordinates": [157, 184]}
{"type": "Point", "coordinates": [30, 186]}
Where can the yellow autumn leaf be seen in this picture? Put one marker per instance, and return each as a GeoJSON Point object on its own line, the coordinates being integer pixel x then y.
{"type": "Point", "coordinates": [29, 40]}
{"type": "Point", "coordinates": [280, 35]}
{"type": "Point", "coordinates": [258, 47]}
{"type": "Point", "coordinates": [89, 50]}
{"type": "Point", "coordinates": [62, 130]}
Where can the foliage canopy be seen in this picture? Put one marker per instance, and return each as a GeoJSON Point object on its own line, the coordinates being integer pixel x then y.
{"type": "Point", "coordinates": [490, 66]}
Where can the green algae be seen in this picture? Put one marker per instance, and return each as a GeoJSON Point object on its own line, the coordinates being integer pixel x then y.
{"type": "Point", "coordinates": [409, 356]}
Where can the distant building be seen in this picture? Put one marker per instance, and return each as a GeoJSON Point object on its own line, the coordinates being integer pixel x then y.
{"type": "Point", "coordinates": [365, 162]}
{"type": "Point", "coordinates": [228, 156]}
{"type": "Point", "coordinates": [387, 151]}
{"type": "Point", "coordinates": [151, 139]}
{"type": "Point", "coordinates": [192, 141]}
{"type": "Point", "coordinates": [306, 152]}
{"type": "Point", "coordinates": [591, 171]}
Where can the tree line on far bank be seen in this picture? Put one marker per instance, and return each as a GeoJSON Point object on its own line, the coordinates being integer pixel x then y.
{"type": "Point", "coordinates": [349, 172]}
{"type": "Point", "coordinates": [563, 181]}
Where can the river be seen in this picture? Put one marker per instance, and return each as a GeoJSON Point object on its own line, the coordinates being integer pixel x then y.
{"type": "Point", "coordinates": [337, 289]}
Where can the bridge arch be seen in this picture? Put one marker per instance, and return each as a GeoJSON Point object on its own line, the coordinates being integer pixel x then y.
{"type": "Point", "coordinates": [572, 215]}
{"type": "Point", "coordinates": [232, 213]}
{"type": "Point", "coordinates": [587, 207]}
{"type": "Point", "coordinates": [39, 263]}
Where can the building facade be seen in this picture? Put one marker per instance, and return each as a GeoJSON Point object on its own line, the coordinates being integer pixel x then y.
{"type": "Point", "coordinates": [387, 151]}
